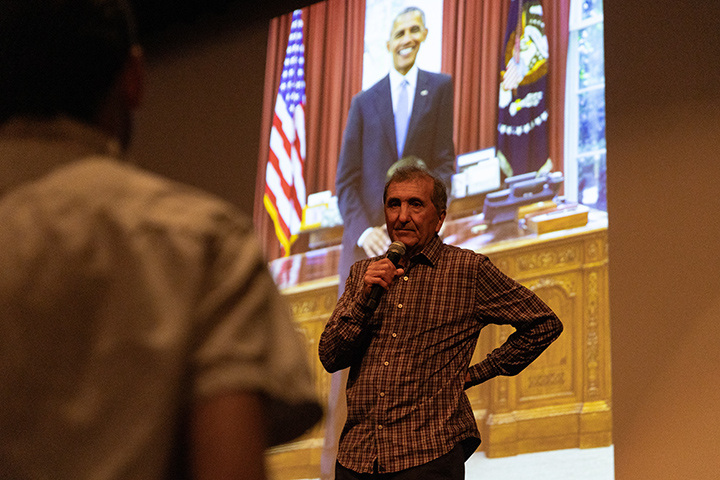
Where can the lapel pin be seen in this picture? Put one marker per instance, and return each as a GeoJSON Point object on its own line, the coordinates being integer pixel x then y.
{"type": "Point", "coordinates": [424, 92]}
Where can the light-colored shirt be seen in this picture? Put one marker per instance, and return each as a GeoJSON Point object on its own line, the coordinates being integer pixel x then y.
{"type": "Point", "coordinates": [396, 80]}
{"type": "Point", "coordinates": [124, 298]}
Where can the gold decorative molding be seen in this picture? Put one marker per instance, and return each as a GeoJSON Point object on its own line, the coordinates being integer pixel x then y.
{"type": "Point", "coordinates": [568, 286]}
{"type": "Point", "coordinates": [593, 337]}
{"type": "Point", "coordinates": [550, 258]}
{"type": "Point", "coordinates": [311, 305]}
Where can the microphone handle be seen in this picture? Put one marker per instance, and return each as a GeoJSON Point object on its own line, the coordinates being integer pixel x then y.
{"type": "Point", "coordinates": [377, 290]}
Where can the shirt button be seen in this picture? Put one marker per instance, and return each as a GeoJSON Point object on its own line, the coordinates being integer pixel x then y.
{"type": "Point", "coordinates": [387, 363]}
{"type": "Point", "coordinates": [382, 394]}
{"type": "Point", "coordinates": [399, 305]}
{"type": "Point", "coordinates": [380, 427]}
{"type": "Point", "coordinates": [405, 278]}
{"type": "Point", "coordinates": [394, 335]}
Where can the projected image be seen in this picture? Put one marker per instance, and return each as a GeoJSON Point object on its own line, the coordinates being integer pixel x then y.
{"type": "Point", "coordinates": [505, 104]}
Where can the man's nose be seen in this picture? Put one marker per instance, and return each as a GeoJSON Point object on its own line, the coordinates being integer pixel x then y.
{"type": "Point", "coordinates": [404, 215]}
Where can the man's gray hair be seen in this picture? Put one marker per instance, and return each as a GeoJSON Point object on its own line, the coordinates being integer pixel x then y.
{"type": "Point", "coordinates": [414, 172]}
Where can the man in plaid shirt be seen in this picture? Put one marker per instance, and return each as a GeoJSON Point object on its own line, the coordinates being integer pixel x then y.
{"type": "Point", "coordinates": [408, 416]}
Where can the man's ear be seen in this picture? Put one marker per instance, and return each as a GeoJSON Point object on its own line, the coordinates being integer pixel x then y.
{"type": "Point", "coordinates": [440, 221]}
{"type": "Point", "coordinates": [132, 79]}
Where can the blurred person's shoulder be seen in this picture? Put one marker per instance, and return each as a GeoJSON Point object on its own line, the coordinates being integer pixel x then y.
{"type": "Point", "coordinates": [64, 167]}
{"type": "Point", "coordinates": [144, 199]}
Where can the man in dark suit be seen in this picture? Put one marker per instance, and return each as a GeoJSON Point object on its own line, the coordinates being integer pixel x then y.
{"type": "Point", "coordinates": [375, 138]}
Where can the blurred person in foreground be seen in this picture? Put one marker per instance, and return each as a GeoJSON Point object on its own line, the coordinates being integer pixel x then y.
{"type": "Point", "coordinates": [142, 336]}
{"type": "Point", "coordinates": [408, 416]}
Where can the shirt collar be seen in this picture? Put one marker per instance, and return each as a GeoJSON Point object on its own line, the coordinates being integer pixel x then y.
{"type": "Point", "coordinates": [396, 77]}
{"type": "Point", "coordinates": [430, 254]}
{"type": "Point", "coordinates": [29, 148]}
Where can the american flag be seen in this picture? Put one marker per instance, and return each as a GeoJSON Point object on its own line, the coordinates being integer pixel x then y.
{"type": "Point", "coordinates": [284, 196]}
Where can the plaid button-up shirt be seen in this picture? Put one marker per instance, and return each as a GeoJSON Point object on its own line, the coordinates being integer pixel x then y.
{"type": "Point", "coordinates": [408, 360]}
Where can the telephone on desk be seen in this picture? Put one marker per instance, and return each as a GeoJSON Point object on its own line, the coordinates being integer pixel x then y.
{"type": "Point", "coordinates": [528, 188]}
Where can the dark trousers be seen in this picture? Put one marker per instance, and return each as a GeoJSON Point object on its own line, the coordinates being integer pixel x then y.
{"type": "Point", "coordinates": [450, 466]}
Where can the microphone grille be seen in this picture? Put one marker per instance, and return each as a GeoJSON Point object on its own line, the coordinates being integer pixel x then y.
{"type": "Point", "coordinates": [397, 247]}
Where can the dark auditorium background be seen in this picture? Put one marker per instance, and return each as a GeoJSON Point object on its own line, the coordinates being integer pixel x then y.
{"type": "Point", "coordinates": [201, 125]}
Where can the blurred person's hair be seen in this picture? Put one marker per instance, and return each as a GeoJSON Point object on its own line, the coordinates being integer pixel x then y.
{"type": "Point", "coordinates": [61, 56]}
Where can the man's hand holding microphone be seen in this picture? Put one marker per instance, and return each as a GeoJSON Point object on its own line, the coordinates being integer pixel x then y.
{"type": "Point", "coordinates": [381, 274]}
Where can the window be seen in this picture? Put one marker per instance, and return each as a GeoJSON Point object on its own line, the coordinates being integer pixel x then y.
{"type": "Point", "coordinates": [585, 149]}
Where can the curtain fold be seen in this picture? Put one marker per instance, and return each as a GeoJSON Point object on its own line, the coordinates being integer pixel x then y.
{"type": "Point", "coordinates": [473, 32]}
{"type": "Point", "coordinates": [333, 32]}
{"type": "Point", "coordinates": [278, 32]}
{"type": "Point", "coordinates": [557, 18]}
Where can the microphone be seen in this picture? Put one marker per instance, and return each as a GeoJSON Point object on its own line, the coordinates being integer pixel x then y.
{"type": "Point", "coordinates": [395, 252]}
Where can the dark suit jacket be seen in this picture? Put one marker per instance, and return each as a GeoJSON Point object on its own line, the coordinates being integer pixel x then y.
{"type": "Point", "coordinates": [369, 148]}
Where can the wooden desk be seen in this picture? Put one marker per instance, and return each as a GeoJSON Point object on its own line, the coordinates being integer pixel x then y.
{"type": "Point", "coordinates": [560, 401]}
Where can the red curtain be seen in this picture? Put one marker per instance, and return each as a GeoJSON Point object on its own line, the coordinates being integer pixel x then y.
{"type": "Point", "coordinates": [333, 33]}
{"type": "Point", "coordinates": [557, 18]}
{"type": "Point", "coordinates": [473, 32]}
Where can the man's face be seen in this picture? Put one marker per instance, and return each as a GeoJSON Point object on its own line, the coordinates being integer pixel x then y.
{"type": "Point", "coordinates": [410, 214]}
{"type": "Point", "coordinates": [407, 34]}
